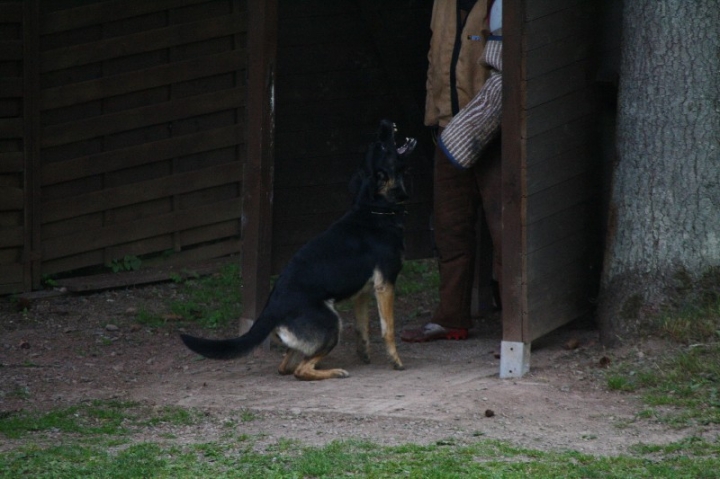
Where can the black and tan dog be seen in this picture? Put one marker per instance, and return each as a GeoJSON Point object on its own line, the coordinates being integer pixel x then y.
{"type": "Point", "coordinates": [362, 252]}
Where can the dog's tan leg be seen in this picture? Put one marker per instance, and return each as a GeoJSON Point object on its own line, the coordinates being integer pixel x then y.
{"type": "Point", "coordinates": [361, 304]}
{"type": "Point", "coordinates": [385, 294]}
{"type": "Point", "coordinates": [306, 371]}
{"type": "Point", "coordinates": [289, 362]}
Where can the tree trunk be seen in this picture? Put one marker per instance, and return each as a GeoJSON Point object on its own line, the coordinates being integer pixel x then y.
{"type": "Point", "coordinates": [664, 221]}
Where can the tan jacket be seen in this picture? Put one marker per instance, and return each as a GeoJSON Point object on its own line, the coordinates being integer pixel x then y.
{"type": "Point", "coordinates": [469, 72]}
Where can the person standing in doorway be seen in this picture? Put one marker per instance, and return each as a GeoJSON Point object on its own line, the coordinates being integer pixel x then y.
{"type": "Point", "coordinates": [463, 103]}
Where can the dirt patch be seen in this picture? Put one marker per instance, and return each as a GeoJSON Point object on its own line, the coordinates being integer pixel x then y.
{"type": "Point", "coordinates": [72, 348]}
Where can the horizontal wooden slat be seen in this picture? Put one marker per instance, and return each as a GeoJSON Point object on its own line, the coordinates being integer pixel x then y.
{"type": "Point", "coordinates": [141, 247]}
{"type": "Point", "coordinates": [560, 168]}
{"type": "Point", "coordinates": [11, 273]}
{"type": "Point", "coordinates": [561, 296]}
{"type": "Point", "coordinates": [11, 198]}
{"type": "Point", "coordinates": [141, 80]}
{"type": "Point", "coordinates": [556, 55]}
{"type": "Point", "coordinates": [554, 258]}
{"type": "Point", "coordinates": [206, 252]}
{"type": "Point", "coordinates": [140, 192]}
{"type": "Point", "coordinates": [209, 233]}
{"type": "Point", "coordinates": [535, 10]}
{"type": "Point", "coordinates": [576, 276]}
{"type": "Point", "coordinates": [69, 170]}
{"type": "Point", "coordinates": [11, 50]}
{"type": "Point", "coordinates": [12, 162]}
{"type": "Point", "coordinates": [70, 263]}
{"type": "Point", "coordinates": [556, 141]}
{"type": "Point", "coordinates": [188, 241]}
{"type": "Point", "coordinates": [559, 25]}
{"type": "Point", "coordinates": [11, 128]}
{"type": "Point", "coordinates": [77, 55]}
{"type": "Point", "coordinates": [559, 197]}
{"type": "Point", "coordinates": [11, 87]}
{"type": "Point", "coordinates": [144, 275]}
{"type": "Point", "coordinates": [559, 112]}
{"type": "Point", "coordinates": [144, 116]}
{"type": "Point", "coordinates": [565, 223]}
{"type": "Point", "coordinates": [143, 228]}
{"type": "Point", "coordinates": [97, 13]}
{"type": "Point", "coordinates": [557, 83]}
{"type": "Point", "coordinates": [11, 236]}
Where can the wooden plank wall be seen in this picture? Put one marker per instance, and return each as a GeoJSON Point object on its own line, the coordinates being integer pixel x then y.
{"type": "Point", "coordinates": [563, 164]}
{"type": "Point", "coordinates": [342, 66]}
{"type": "Point", "coordinates": [12, 158]}
{"type": "Point", "coordinates": [142, 127]}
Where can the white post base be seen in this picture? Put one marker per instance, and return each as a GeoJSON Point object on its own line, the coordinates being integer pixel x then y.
{"type": "Point", "coordinates": [514, 359]}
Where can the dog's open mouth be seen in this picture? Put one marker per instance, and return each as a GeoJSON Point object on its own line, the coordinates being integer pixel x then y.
{"type": "Point", "coordinates": [407, 147]}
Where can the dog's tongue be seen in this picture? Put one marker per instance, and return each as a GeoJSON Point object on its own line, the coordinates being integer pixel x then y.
{"type": "Point", "coordinates": [408, 146]}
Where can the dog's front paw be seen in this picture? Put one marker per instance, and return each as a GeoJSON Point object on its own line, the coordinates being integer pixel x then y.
{"type": "Point", "coordinates": [398, 367]}
{"type": "Point", "coordinates": [341, 374]}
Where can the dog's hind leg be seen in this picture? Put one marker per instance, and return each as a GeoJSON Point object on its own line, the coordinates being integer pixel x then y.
{"type": "Point", "coordinates": [361, 304]}
{"type": "Point", "coordinates": [306, 370]}
{"type": "Point", "coordinates": [385, 294]}
{"type": "Point", "coordinates": [290, 362]}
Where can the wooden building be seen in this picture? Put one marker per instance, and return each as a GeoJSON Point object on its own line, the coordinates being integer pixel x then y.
{"type": "Point", "coordinates": [186, 130]}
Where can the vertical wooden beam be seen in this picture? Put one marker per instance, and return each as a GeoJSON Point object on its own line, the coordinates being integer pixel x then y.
{"type": "Point", "coordinates": [515, 327]}
{"type": "Point", "coordinates": [31, 145]}
{"type": "Point", "coordinates": [258, 172]}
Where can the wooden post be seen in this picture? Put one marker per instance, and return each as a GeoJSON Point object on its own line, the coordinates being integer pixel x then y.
{"type": "Point", "coordinates": [258, 172]}
{"type": "Point", "coordinates": [31, 139]}
{"type": "Point", "coordinates": [515, 349]}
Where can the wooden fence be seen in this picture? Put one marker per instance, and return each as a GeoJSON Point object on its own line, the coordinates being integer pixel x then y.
{"type": "Point", "coordinates": [122, 130]}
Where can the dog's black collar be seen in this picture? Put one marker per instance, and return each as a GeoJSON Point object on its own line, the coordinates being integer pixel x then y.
{"type": "Point", "coordinates": [389, 212]}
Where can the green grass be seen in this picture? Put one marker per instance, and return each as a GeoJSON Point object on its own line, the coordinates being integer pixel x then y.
{"type": "Point", "coordinates": [94, 418]}
{"type": "Point", "coordinates": [418, 276]}
{"type": "Point", "coordinates": [239, 457]}
{"type": "Point", "coordinates": [696, 323]}
{"type": "Point", "coordinates": [99, 440]}
{"type": "Point", "coordinates": [211, 301]}
{"type": "Point", "coordinates": [681, 387]}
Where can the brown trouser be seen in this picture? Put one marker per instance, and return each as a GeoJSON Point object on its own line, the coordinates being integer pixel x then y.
{"type": "Point", "coordinates": [457, 195]}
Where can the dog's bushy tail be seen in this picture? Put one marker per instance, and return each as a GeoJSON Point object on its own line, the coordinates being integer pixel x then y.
{"type": "Point", "coordinates": [231, 348]}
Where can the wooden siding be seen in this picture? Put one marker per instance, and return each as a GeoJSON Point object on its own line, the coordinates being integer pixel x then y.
{"type": "Point", "coordinates": [122, 127]}
{"type": "Point", "coordinates": [13, 186]}
{"type": "Point", "coordinates": [555, 222]}
{"type": "Point", "coordinates": [342, 66]}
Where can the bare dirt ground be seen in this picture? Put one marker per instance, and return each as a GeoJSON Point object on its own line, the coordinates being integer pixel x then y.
{"type": "Point", "coordinates": [74, 348]}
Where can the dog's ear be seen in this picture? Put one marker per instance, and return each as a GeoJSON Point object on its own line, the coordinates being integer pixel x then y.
{"type": "Point", "coordinates": [386, 131]}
